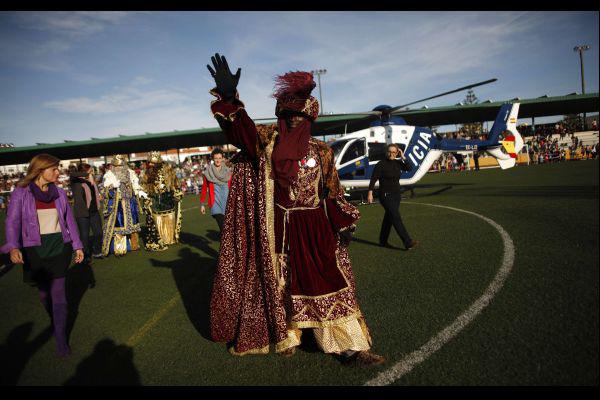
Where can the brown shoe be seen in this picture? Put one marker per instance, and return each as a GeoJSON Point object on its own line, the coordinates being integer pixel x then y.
{"type": "Point", "coordinates": [413, 243]}
{"type": "Point", "coordinates": [289, 352]}
{"type": "Point", "coordinates": [364, 359]}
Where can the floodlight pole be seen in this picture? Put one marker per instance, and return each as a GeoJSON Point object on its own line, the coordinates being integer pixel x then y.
{"type": "Point", "coordinates": [318, 72]}
{"type": "Point", "coordinates": [580, 49]}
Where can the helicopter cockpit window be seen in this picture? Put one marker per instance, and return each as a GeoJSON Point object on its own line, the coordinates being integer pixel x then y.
{"type": "Point", "coordinates": [337, 146]}
{"type": "Point", "coordinates": [356, 150]}
{"type": "Point", "coordinates": [377, 151]}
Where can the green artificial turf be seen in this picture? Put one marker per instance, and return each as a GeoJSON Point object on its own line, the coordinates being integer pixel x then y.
{"type": "Point", "coordinates": [540, 329]}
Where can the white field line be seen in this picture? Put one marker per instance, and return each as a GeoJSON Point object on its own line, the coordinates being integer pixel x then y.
{"type": "Point", "coordinates": [413, 359]}
{"type": "Point", "coordinates": [157, 316]}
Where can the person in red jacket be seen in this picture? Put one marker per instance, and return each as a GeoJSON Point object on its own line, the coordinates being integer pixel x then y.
{"type": "Point", "coordinates": [216, 181]}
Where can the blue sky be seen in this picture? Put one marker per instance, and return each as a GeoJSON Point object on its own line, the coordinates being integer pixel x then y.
{"type": "Point", "coordinates": [76, 75]}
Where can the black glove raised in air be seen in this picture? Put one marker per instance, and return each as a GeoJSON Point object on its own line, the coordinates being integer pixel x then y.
{"type": "Point", "coordinates": [225, 80]}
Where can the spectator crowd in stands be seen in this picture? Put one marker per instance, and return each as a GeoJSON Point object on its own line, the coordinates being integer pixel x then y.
{"type": "Point", "coordinates": [449, 162]}
{"type": "Point", "coordinates": [552, 143]}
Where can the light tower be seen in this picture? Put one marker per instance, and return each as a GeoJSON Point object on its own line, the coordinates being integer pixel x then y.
{"type": "Point", "coordinates": [319, 72]}
{"type": "Point", "coordinates": [580, 49]}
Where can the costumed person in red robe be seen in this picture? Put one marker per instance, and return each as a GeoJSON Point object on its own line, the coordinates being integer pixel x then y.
{"type": "Point", "coordinates": [283, 264]}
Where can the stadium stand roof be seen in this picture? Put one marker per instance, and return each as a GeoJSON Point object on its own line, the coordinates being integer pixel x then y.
{"type": "Point", "coordinates": [325, 125]}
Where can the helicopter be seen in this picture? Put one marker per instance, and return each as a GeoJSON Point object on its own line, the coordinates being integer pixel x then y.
{"type": "Point", "coordinates": [357, 153]}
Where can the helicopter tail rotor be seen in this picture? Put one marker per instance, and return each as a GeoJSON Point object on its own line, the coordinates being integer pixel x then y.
{"type": "Point", "coordinates": [505, 136]}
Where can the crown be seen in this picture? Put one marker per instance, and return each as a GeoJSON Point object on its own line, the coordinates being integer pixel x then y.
{"type": "Point", "coordinates": [155, 157]}
{"type": "Point", "coordinates": [118, 160]}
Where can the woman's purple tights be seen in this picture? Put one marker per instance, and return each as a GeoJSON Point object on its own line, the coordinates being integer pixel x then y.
{"type": "Point", "coordinates": [54, 300]}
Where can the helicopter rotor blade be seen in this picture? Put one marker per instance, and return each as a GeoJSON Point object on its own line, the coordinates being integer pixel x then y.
{"type": "Point", "coordinates": [443, 94]}
{"type": "Point", "coordinates": [364, 113]}
{"type": "Point", "coordinates": [374, 115]}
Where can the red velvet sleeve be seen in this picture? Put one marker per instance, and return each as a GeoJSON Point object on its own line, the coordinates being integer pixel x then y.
{"type": "Point", "coordinates": [235, 122]}
{"type": "Point", "coordinates": [204, 188]}
{"type": "Point", "coordinates": [342, 214]}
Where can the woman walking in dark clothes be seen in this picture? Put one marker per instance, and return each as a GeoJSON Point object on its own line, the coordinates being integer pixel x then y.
{"type": "Point", "coordinates": [86, 208]}
{"type": "Point", "coordinates": [388, 173]}
{"type": "Point", "coordinates": [41, 234]}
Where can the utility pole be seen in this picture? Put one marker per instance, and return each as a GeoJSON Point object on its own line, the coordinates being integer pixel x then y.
{"type": "Point", "coordinates": [581, 49]}
{"type": "Point", "coordinates": [319, 72]}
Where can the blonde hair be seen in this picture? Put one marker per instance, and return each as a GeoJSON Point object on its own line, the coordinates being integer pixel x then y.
{"type": "Point", "coordinates": [38, 164]}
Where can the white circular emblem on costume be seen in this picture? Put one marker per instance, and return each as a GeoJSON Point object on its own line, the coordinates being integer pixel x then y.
{"type": "Point", "coordinates": [311, 163]}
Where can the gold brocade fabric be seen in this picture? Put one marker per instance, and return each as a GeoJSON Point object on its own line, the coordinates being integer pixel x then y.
{"type": "Point", "coordinates": [120, 244]}
{"type": "Point", "coordinates": [292, 340]}
{"type": "Point", "coordinates": [350, 335]}
{"type": "Point", "coordinates": [166, 224]}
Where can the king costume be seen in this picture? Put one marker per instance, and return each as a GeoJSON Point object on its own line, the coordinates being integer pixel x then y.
{"type": "Point", "coordinates": [120, 187]}
{"type": "Point", "coordinates": [283, 264]}
{"type": "Point", "coordinates": [162, 205]}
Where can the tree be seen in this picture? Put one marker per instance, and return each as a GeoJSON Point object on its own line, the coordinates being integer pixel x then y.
{"type": "Point", "coordinates": [472, 129]}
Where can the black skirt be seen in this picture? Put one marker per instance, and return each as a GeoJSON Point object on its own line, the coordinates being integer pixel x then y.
{"type": "Point", "coordinates": [37, 270]}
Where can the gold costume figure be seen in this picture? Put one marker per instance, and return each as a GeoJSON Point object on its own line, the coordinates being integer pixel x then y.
{"type": "Point", "coordinates": [162, 205]}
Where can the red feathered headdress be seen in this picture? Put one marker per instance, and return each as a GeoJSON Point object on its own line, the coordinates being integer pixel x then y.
{"type": "Point", "coordinates": [292, 92]}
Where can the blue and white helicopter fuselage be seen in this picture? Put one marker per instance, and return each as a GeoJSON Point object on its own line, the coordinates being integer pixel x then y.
{"type": "Point", "coordinates": [357, 153]}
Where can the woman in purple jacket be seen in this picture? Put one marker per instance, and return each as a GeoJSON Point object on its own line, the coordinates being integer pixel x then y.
{"type": "Point", "coordinates": [41, 234]}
